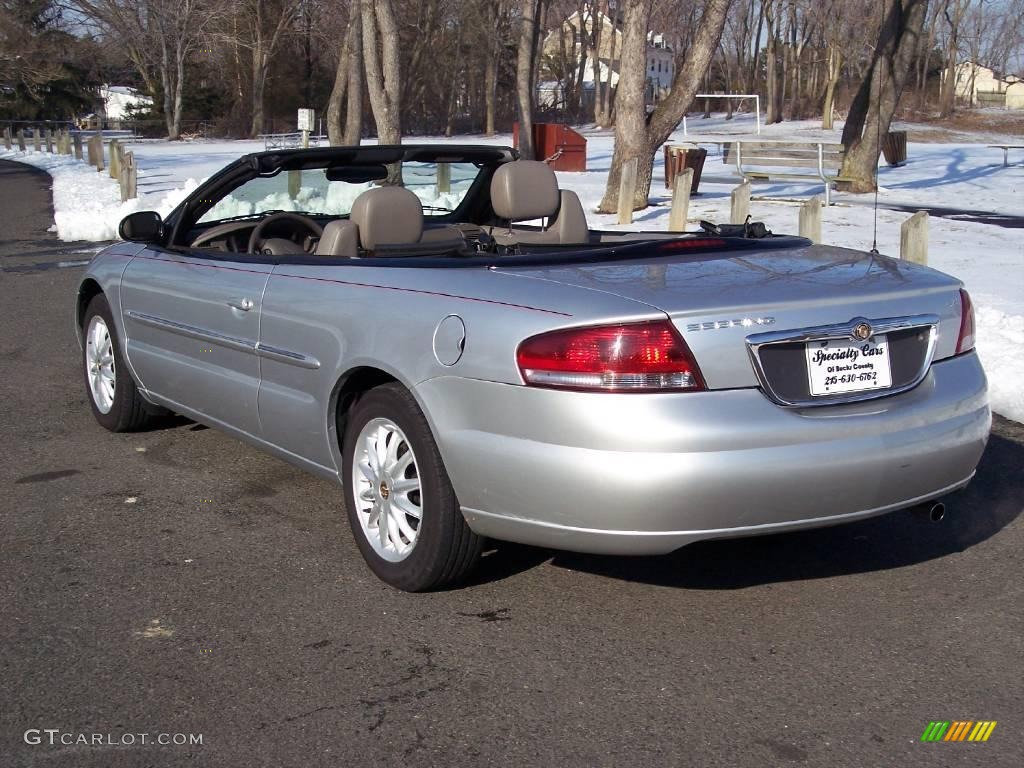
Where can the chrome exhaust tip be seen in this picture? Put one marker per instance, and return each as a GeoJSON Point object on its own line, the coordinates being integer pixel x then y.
{"type": "Point", "coordinates": [930, 511]}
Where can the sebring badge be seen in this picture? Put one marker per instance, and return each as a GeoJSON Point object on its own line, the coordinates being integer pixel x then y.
{"type": "Point", "coordinates": [861, 332]}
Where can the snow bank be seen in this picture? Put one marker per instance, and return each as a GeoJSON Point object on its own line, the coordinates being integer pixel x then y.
{"type": "Point", "coordinates": [1000, 343]}
{"type": "Point", "coordinates": [87, 204]}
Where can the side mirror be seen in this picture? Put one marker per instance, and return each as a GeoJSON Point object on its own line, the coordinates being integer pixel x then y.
{"type": "Point", "coordinates": [142, 227]}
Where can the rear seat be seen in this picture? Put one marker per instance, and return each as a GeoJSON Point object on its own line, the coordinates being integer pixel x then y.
{"type": "Point", "coordinates": [527, 189]}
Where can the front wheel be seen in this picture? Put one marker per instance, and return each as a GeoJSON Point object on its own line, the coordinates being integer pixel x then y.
{"type": "Point", "coordinates": [115, 400]}
{"type": "Point", "coordinates": [401, 504]}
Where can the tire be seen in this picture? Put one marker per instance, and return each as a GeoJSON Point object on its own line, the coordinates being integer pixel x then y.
{"type": "Point", "coordinates": [113, 396]}
{"type": "Point", "coordinates": [414, 554]}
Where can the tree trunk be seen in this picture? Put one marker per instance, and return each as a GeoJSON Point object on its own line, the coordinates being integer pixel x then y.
{"type": "Point", "coordinates": [835, 65]}
{"type": "Point", "coordinates": [342, 75]}
{"type": "Point", "coordinates": [179, 84]}
{"type": "Point", "coordinates": [879, 94]}
{"type": "Point", "coordinates": [259, 81]}
{"type": "Point", "coordinates": [354, 110]}
{"type": "Point", "coordinates": [490, 92]}
{"type": "Point", "coordinates": [636, 137]}
{"type": "Point", "coordinates": [771, 53]}
{"type": "Point", "coordinates": [382, 68]}
{"type": "Point", "coordinates": [524, 76]}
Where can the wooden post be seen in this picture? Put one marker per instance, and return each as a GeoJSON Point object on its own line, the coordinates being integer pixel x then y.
{"type": "Point", "coordinates": [740, 207]}
{"type": "Point", "coordinates": [294, 184]}
{"type": "Point", "coordinates": [444, 178]}
{"type": "Point", "coordinates": [7, 138]}
{"type": "Point", "coordinates": [129, 177]}
{"type": "Point", "coordinates": [627, 191]}
{"type": "Point", "coordinates": [115, 160]}
{"type": "Point", "coordinates": [21, 139]}
{"type": "Point", "coordinates": [680, 212]}
{"type": "Point", "coordinates": [35, 139]}
{"type": "Point", "coordinates": [810, 219]}
{"type": "Point", "coordinates": [49, 140]}
{"type": "Point", "coordinates": [914, 238]}
{"type": "Point", "coordinates": [78, 146]}
{"type": "Point", "coordinates": [101, 161]}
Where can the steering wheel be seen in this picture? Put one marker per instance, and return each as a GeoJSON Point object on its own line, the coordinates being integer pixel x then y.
{"type": "Point", "coordinates": [256, 239]}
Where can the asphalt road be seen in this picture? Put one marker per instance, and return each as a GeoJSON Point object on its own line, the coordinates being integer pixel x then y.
{"type": "Point", "coordinates": [179, 582]}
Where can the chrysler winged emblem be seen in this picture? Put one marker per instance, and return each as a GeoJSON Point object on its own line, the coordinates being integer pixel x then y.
{"type": "Point", "coordinates": [861, 331]}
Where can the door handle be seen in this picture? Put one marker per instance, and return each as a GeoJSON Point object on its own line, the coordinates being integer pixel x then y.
{"type": "Point", "coordinates": [243, 304]}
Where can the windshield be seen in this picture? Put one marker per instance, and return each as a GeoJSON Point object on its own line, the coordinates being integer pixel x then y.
{"type": "Point", "coordinates": [439, 186]}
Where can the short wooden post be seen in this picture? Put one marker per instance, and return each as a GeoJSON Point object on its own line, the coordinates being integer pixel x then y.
{"type": "Point", "coordinates": [115, 160]}
{"type": "Point", "coordinates": [128, 176]}
{"type": "Point", "coordinates": [680, 212]}
{"type": "Point", "coordinates": [49, 140]}
{"type": "Point", "coordinates": [914, 238]}
{"type": "Point", "coordinates": [810, 219]}
{"type": "Point", "coordinates": [740, 204]}
{"type": "Point", "coordinates": [627, 191]}
{"type": "Point", "coordinates": [294, 184]}
{"type": "Point", "coordinates": [78, 146]}
{"type": "Point", "coordinates": [21, 139]}
{"type": "Point", "coordinates": [444, 178]}
{"type": "Point", "coordinates": [7, 138]}
{"type": "Point", "coordinates": [101, 161]}
{"type": "Point", "coordinates": [36, 139]}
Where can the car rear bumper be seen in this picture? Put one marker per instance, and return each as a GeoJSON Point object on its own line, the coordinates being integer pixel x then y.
{"type": "Point", "coordinates": [645, 474]}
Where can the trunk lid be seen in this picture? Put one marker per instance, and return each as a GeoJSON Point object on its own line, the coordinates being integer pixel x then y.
{"type": "Point", "coordinates": [718, 300]}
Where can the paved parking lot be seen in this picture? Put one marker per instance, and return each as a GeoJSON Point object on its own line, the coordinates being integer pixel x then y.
{"type": "Point", "coordinates": [179, 582]}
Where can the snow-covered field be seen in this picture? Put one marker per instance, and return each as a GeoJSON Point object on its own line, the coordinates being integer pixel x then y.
{"type": "Point", "coordinates": [989, 259]}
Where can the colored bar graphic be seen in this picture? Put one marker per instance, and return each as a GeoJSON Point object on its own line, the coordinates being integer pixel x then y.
{"type": "Point", "coordinates": [958, 730]}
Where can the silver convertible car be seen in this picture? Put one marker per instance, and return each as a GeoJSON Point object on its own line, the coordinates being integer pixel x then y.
{"type": "Point", "coordinates": [436, 328]}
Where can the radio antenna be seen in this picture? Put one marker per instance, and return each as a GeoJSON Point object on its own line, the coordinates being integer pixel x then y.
{"type": "Point", "coordinates": [878, 124]}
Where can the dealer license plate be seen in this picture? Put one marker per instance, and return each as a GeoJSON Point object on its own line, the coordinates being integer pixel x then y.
{"type": "Point", "coordinates": [839, 366]}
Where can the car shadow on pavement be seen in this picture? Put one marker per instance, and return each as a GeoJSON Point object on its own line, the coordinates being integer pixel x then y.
{"type": "Point", "coordinates": [993, 500]}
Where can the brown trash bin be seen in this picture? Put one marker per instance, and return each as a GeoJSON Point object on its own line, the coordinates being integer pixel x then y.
{"type": "Point", "coordinates": [678, 159]}
{"type": "Point", "coordinates": [558, 145]}
{"type": "Point", "coordinates": [894, 147]}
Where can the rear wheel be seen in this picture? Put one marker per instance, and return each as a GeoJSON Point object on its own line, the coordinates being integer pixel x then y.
{"type": "Point", "coordinates": [401, 504]}
{"type": "Point", "coordinates": [113, 396]}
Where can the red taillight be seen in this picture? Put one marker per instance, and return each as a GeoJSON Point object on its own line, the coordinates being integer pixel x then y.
{"type": "Point", "coordinates": [635, 357]}
{"type": "Point", "coordinates": [965, 341]}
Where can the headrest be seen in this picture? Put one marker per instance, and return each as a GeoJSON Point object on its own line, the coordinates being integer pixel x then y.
{"type": "Point", "coordinates": [524, 189]}
{"type": "Point", "coordinates": [387, 216]}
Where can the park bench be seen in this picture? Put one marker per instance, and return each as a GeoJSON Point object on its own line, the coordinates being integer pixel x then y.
{"type": "Point", "coordinates": [281, 140]}
{"type": "Point", "coordinates": [1006, 151]}
{"type": "Point", "coordinates": [757, 161]}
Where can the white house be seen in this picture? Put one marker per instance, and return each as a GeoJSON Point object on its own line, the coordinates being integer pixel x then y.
{"type": "Point", "coordinates": [567, 39]}
{"type": "Point", "coordinates": [118, 100]}
{"type": "Point", "coordinates": [979, 85]}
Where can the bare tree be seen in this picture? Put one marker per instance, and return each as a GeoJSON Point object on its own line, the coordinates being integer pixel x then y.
{"type": "Point", "coordinates": [158, 35]}
{"type": "Point", "coordinates": [524, 76]}
{"type": "Point", "coordinates": [383, 73]}
{"type": "Point", "coordinates": [348, 87]}
{"type": "Point", "coordinates": [878, 96]}
{"type": "Point", "coordinates": [636, 137]}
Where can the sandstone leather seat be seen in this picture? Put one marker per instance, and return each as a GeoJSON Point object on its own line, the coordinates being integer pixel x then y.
{"type": "Point", "coordinates": [386, 221]}
{"type": "Point", "coordinates": [527, 189]}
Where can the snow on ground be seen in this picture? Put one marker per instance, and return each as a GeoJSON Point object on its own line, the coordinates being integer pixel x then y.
{"type": "Point", "coordinates": [989, 259]}
{"type": "Point", "coordinates": [87, 204]}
